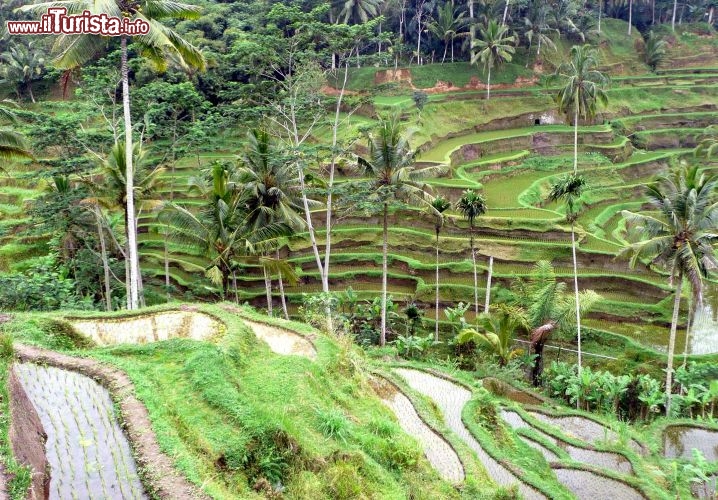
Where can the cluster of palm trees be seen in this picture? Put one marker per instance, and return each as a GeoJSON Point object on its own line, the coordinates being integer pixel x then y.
{"type": "Point", "coordinates": [160, 45]}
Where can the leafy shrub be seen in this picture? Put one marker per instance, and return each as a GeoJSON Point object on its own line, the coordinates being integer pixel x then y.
{"type": "Point", "coordinates": [45, 286]}
{"type": "Point", "coordinates": [413, 346]}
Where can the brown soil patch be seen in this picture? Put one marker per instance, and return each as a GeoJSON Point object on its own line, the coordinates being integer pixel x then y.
{"type": "Point", "coordinates": [159, 473]}
{"type": "Point", "coordinates": [391, 75]}
{"type": "Point", "coordinates": [27, 439]}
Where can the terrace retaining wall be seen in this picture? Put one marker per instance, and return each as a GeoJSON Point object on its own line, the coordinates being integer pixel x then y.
{"type": "Point", "coordinates": [27, 439]}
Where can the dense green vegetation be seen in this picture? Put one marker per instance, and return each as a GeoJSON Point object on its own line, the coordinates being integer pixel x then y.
{"type": "Point", "coordinates": [453, 203]}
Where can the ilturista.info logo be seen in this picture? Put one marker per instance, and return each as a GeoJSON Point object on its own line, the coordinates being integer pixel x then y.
{"type": "Point", "coordinates": [58, 22]}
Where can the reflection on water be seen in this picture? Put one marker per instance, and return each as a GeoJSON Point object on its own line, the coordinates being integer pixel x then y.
{"type": "Point", "coordinates": [704, 333]}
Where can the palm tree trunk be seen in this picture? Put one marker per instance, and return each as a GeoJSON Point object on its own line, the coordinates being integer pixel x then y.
{"type": "Point", "coordinates": [575, 290]}
{"type": "Point", "coordinates": [446, 47]}
{"type": "Point", "coordinates": [29, 91]}
{"type": "Point", "coordinates": [476, 278]}
{"type": "Point", "coordinates": [488, 85]}
{"type": "Point", "coordinates": [452, 49]}
{"type": "Point", "coordinates": [488, 285]}
{"type": "Point", "coordinates": [528, 53]}
{"type": "Point", "coordinates": [600, 14]}
{"type": "Point", "coordinates": [127, 280]}
{"type": "Point", "coordinates": [103, 256]}
{"type": "Point", "coordinates": [673, 20]}
{"type": "Point", "coordinates": [506, 11]}
{"type": "Point", "coordinates": [234, 285]}
{"type": "Point", "coordinates": [129, 181]}
{"type": "Point", "coordinates": [268, 289]}
{"type": "Point", "coordinates": [384, 271]}
{"type": "Point", "coordinates": [167, 267]}
{"type": "Point", "coordinates": [471, 21]}
{"type": "Point", "coordinates": [672, 342]}
{"type": "Point", "coordinates": [575, 141]}
{"type": "Point", "coordinates": [436, 328]}
{"type": "Point", "coordinates": [630, 16]}
{"type": "Point", "coordinates": [281, 291]}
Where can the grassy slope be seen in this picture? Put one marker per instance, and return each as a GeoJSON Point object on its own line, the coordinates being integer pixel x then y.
{"type": "Point", "coordinates": [233, 412]}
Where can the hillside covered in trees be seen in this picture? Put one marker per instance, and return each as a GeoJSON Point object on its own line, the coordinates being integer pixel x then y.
{"type": "Point", "coordinates": [372, 249]}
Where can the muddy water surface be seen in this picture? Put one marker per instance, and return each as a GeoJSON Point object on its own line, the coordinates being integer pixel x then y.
{"type": "Point", "coordinates": [88, 453]}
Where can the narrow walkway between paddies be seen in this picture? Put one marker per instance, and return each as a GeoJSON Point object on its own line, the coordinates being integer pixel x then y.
{"type": "Point", "coordinates": [88, 453]}
{"type": "Point", "coordinates": [451, 399]}
{"type": "Point", "coordinates": [282, 341]}
{"type": "Point", "coordinates": [439, 452]}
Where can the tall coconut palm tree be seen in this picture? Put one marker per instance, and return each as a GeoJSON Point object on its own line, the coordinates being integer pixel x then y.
{"type": "Point", "coordinates": [158, 45]}
{"type": "Point", "coordinates": [391, 164]}
{"type": "Point", "coordinates": [446, 26]}
{"type": "Point", "coordinates": [356, 11]}
{"type": "Point", "coordinates": [569, 189]}
{"type": "Point", "coordinates": [582, 89]}
{"type": "Point", "coordinates": [472, 205]}
{"type": "Point", "coordinates": [271, 193]}
{"type": "Point", "coordinates": [439, 205]}
{"type": "Point", "coordinates": [493, 48]}
{"type": "Point", "coordinates": [679, 233]}
{"type": "Point", "coordinates": [221, 228]}
{"type": "Point", "coordinates": [146, 180]}
{"type": "Point", "coordinates": [536, 28]}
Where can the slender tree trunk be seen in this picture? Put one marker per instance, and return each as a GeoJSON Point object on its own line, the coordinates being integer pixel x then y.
{"type": "Point", "coordinates": [384, 272]}
{"type": "Point", "coordinates": [506, 11]}
{"type": "Point", "coordinates": [446, 47]}
{"type": "Point", "coordinates": [281, 292]}
{"type": "Point", "coordinates": [418, 38]}
{"type": "Point", "coordinates": [29, 91]}
{"type": "Point", "coordinates": [488, 85]}
{"type": "Point", "coordinates": [575, 290]}
{"type": "Point", "coordinates": [689, 322]}
{"type": "Point", "coordinates": [488, 285]}
{"type": "Point", "coordinates": [600, 15]}
{"type": "Point", "coordinates": [234, 285]}
{"type": "Point", "coordinates": [472, 29]}
{"type": "Point", "coordinates": [167, 267]}
{"type": "Point", "coordinates": [127, 279]}
{"type": "Point", "coordinates": [575, 141]}
{"type": "Point", "coordinates": [630, 16]}
{"type": "Point", "coordinates": [452, 49]}
{"type": "Point", "coordinates": [476, 278]}
{"type": "Point", "coordinates": [129, 183]}
{"type": "Point", "coordinates": [538, 49]}
{"type": "Point", "coordinates": [103, 256]}
{"type": "Point", "coordinates": [436, 329]}
{"type": "Point", "coordinates": [672, 343]}
{"type": "Point", "coordinates": [268, 289]}
{"type": "Point", "coordinates": [528, 53]}
{"type": "Point", "coordinates": [711, 11]}
{"type": "Point", "coordinates": [673, 19]}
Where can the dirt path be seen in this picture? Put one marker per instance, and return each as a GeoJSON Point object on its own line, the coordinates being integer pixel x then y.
{"type": "Point", "coordinates": [282, 341]}
{"type": "Point", "coordinates": [158, 471]}
{"type": "Point", "coordinates": [451, 399]}
{"type": "Point", "coordinates": [439, 453]}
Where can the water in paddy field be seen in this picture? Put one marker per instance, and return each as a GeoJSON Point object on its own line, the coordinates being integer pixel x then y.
{"type": "Point", "coordinates": [88, 453]}
{"type": "Point", "coordinates": [704, 332]}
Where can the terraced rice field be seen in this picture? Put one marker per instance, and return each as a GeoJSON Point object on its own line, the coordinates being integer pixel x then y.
{"type": "Point", "coordinates": [680, 441]}
{"type": "Point", "coordinates": [87, 451]}
{"type": "Point", "coordinates": [450, 399]}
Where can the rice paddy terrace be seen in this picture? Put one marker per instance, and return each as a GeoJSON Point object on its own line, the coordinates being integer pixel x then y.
{"type": "Point", "coordinates": [512, 161]}
{"type": "Point", "coordinates": [509, 149]}
{"type": "Point", "coordinates": [476, 435]}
